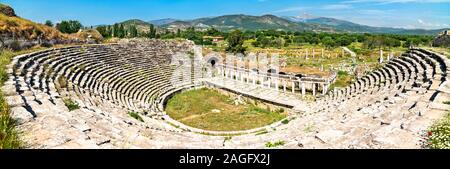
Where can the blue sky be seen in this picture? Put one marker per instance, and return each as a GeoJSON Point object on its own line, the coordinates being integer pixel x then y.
{"type": "Point", "coordinates": [427, 14]}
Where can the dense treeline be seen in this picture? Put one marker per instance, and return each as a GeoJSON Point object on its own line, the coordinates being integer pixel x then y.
{"type": "Point", "coordinates": [126, 31]}
{"type": "Point", "coordinates": [273, 38]}
{"type": "Point", "coordinates": [280, 38]}
{"type": "Point", "coordinates": [70, 26]}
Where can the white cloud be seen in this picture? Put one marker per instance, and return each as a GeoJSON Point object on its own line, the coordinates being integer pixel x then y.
{"type": "Point", "coordinates": [396, 1]}
{"type": "Point", "coordinates": [420, 21]}
{"type": "Point", "coordinates": [337, 7]}
{"type": "Point", "coordinates": [430, 25]}
{"type": "Point", "coordinates": [290, 9]}
{"type": "Point", "coordinates": [378, 13]}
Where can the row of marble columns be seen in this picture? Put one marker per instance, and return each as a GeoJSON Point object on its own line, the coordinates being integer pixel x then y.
{"type": "Point", "coordinates": [272, 81]}
{"type": "Point", "coordinates": [388, 57]}
{"type": "Point", "coordinates": [313, 53]}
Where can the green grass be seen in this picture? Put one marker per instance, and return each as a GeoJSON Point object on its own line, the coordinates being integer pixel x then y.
{"type": "Point", "coordinates": [275, 144]}
{"type": "Point", "coordinates": [71, 105]}
{"type": "Point", "coordinates": [343, 79]}
{"type": "Point", "coordinates": [8, 134]}
{"type": "Point", "coordinates": [309, 128]}
{"type": "Point", "coordinates": [438, 136]}
{"type": "Point", "coordinates": [227, 138]}
{"type": "Point", "coordinates": [136, 116]}
{"type": "Point", "coordinates": [210, 110]}
{"type": "Point", "coordinates": [261, 132]}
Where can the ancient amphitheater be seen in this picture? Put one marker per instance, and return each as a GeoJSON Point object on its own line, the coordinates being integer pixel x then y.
{"type": "Point", "coordinates": [390, 107]}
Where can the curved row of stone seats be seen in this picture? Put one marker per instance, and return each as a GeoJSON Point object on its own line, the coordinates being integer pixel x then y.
{"type": "Point", "coordinates": [131, 76]}
{"type": "Point", "coordinates": [401, 104]}
{"type": "Point", "coordinates": [411, 72]}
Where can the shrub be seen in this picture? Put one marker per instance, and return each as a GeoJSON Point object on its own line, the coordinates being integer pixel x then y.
{"type": "Point", "coordinates": [342, 73]}
{"type": "Point", "coordinates": [136, 116]}
{"type": "Point", "coordinates": [285, 121]}
{"type": "Point", "coordinates": [14, 45]}
{"type": "Point", "coordinates": [71, 105]}
{"type": "Point", "coordinates": [62, 81]}
{"type": "Point", "coordinates": [275, 144]}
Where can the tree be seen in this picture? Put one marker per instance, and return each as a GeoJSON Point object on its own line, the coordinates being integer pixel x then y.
{"type": "Point", "coordinates": [344, 40]}
{"type": "Point", "coordinates": [122, 31]}
{"type": "Point", "coordinates": [71, 26]}
{"type": "Point", "coordinates": [328, 42]}
{"type": "Point", "coordinates": [49, 23]}
{"type": "Point", "coordinates": [235, 42]}
{"type": "Point", "coordinates": [262, 41]}
{"type": "Point", "coordinates": [178, 33]}
{"type": "Point", "coordinates": [133, 31]}
{"type": "Point", "coordinates": [103, 30]}
{"type": "Point", "coordinates": [299, 39]}
{"type": "Point", "coordinates": [191, 34]}
{"type": "Point", "coordinates": [115, 30]}
{"type": "Point", "coordinates": [279, 42]}
{"type": "Point", "coordinates": [152, 32]}
{"type": "Point", "coordinates": [213, 32]}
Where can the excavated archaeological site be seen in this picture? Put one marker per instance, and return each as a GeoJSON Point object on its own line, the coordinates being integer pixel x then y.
{"type": "Point", "coordinates": [390, 107]}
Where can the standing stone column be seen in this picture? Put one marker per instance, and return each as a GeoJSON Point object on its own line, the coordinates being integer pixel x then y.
{"type": "Point", "coordinates": [293, 86]}
{"type": "Point", "coordinates": [306, 56]}
{"type": "Point", "coordinates": [390, 56]}
{"type": "Point", "coordinates": [303, 89]}
{"type": "Point", "coordinates": [262, 81]}
{"type": "Point", "coordinates": [313, 53]}
{"type": "Point", "coordinates": [254, 79]}
{"type": "Point", "coordinates": [324, 89]}
{"type": "Point", "coordinates": [276, 84]}
{"type": "Point", "coordinates": [347, 92]}
{"type": "Point", "coordinates": [381, 56]}
{"type": "Point", "coordinates": [314, 89]}
{"type": "Point", "coordinates": [284, 86]}
{"type": "Point", "coordinates": [335, 94]}
{"type": "Point", "coordinates": [226, 72]}
{"type": "Point", "coordinates": [269, 82]}
{"type": "Point", "coordinates": [215, 70]}
{"type": "Point", "coordinates": [322, 53]}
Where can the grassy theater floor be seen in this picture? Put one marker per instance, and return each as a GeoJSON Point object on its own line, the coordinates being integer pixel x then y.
{"type": "Point", "coordinates": [210, 110]}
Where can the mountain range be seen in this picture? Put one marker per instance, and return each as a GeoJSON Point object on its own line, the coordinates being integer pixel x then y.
{"type": "Point", "coordinates": [286, 23]}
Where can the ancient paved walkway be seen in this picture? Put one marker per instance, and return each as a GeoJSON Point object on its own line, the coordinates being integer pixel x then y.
{"type": "Point", "coordinates": [264, 93]}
